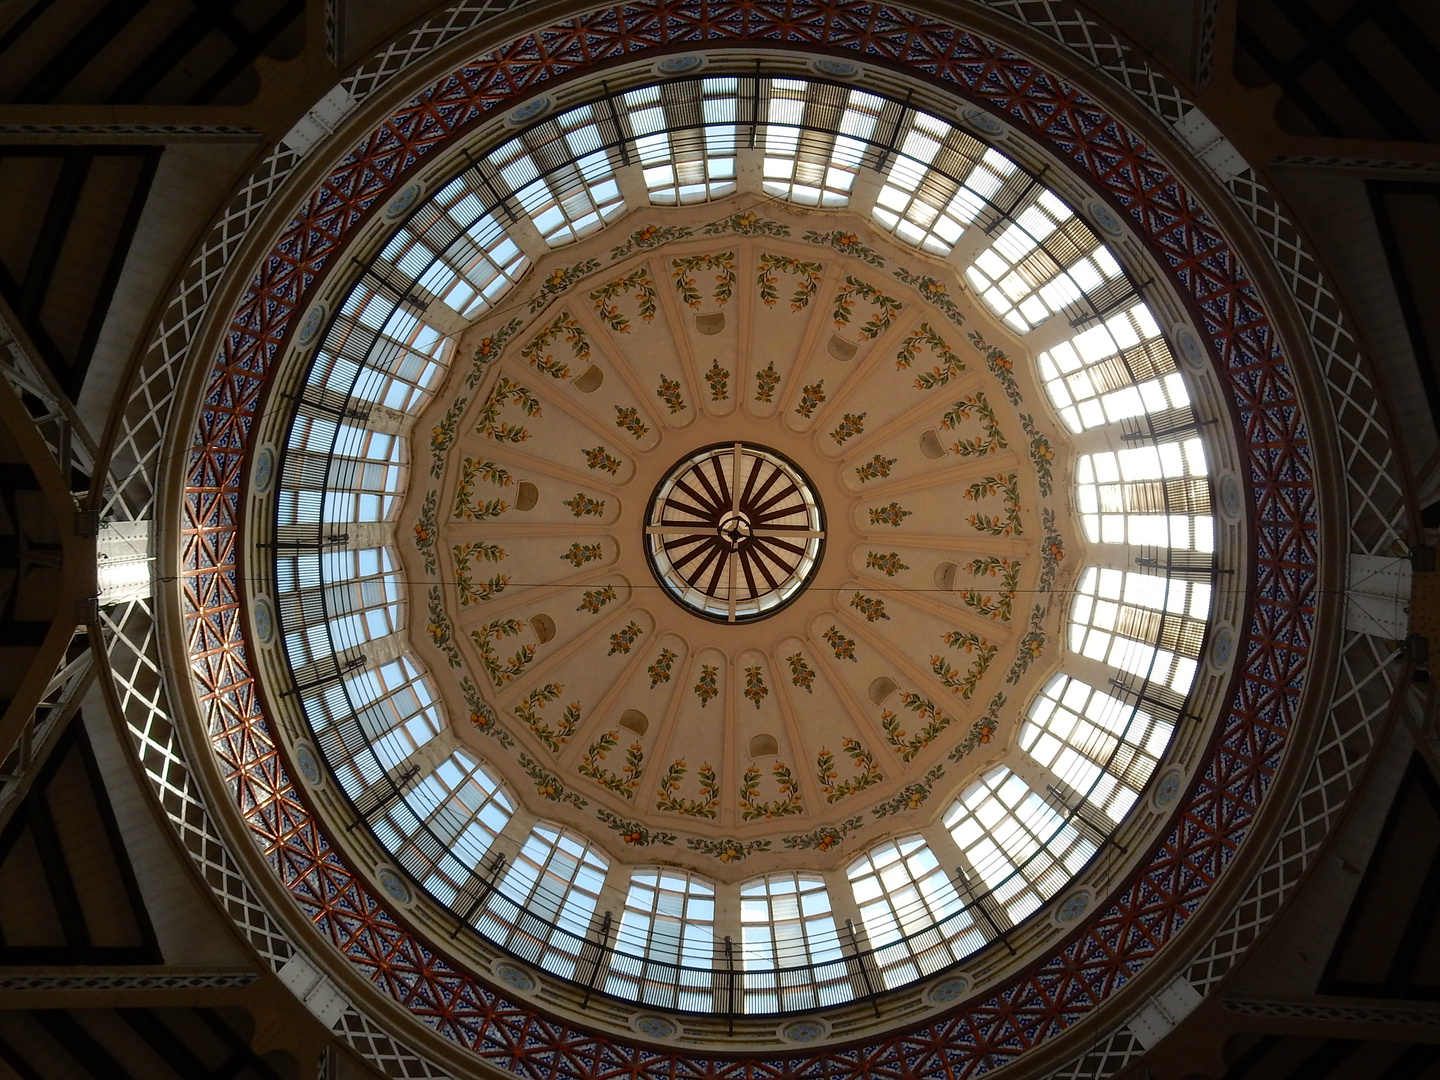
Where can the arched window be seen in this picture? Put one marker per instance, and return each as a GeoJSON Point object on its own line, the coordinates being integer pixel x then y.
{"type": "Point", "coordinates": [1112, 371]}
{"type": "Point", "coordinates": [1020, 847]}
{"type": "Point", "coordinates": [685, 164]}
{"type": "Point", "coordinates": [1148, 496]}
{"type": "Point", "coordinates": [543, 906]}
{"type": "Point", "coordinates": [786, 923]}
{"type": "Point", "coordinates": [815, 140]}
{"type": "Point", "coordinates": [446, 823]}
{"type": "Point", "coordinates": [574, 200]}
{"type": "Point", "coordinates": [914, 918]}
{"type": "Point", "coordinates": [1101, 747]}
{"type": "Point", "coordinates": [1147, 625]}
{"type": "Point", "coordinates": [358, 601]}
{"type": "Point", "coordinates": [1044, 260]}
{"type": "Point", "coordinates": [923, 205]}
{"type": "Point", "coordinates": [455, 250]}
{"type": "Point", "coordinates": [668, 926]}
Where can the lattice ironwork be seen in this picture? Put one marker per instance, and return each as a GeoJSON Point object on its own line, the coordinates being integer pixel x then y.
{"type": "Point", "coordinates": [994, 1031]}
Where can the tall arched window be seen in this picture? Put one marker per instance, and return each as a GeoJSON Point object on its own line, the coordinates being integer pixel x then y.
{"type": "Point", "coordinates": [1148, 496]}
{"type": "Point", "coordinates": [914, 918]}
{"type": "Point", "coordinates": [543, 906]}
{"type": "Point", "coordinates": [668, 927]}
{"type": "Point", "coordinates": [1147, 625]}
{"type": "Point", "coordinates": [786, 923]}
{"type": "Point", "coordinates": [447, 822]}
{"type": "Point", "coordinates": [1102, 748]}
{"type": "Point", "coordinates": [1020, 847]}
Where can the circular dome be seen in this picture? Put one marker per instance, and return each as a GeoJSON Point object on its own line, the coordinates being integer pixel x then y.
{"type": "Point", "coordinates": [734, 532]}
{"type": "Point", "coordinates": [1127, 443]}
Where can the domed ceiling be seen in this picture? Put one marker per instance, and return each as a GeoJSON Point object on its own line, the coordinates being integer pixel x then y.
{"type": "Point", "coordinates": [867, 631]}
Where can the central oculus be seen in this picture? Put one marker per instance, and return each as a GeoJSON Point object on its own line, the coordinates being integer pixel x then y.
{"type": "Point", "coordinates": [734, 532]}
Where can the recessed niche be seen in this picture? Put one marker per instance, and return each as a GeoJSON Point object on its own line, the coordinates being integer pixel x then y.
{"type": "Point", "coordinates": [931, 446]}
{"type": "Point", "coordinates": [526, 496]}
{"type": "Point", "coordinates": [945, 576]}
{"type": "Point", "coordinates": [842, 350]}
{"type": "Point", "coordinates": [881, 689]}
{"type": "Point", "coordinates": [635, 720]}
{"type": "Point", "coordinates": [544, 627]}
{"type": "Point", "coordinates": [589, 380]}
{"type": "Point", "coordinates": [710, 324]}
{"type": "Point", "coordinates": [764, 746]}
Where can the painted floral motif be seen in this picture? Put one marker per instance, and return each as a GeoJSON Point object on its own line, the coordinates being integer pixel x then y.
{"type": "Point", "coordinates": [719, 380]}
{"type": "Point", "coordinates": [747, 223]}
{"type": "Point", "coordinates": [766, 379]}
{"type": "Point", "coordinates": [627, 779]}
{"type": "Point", "coordinates": [560, 280]}
{"type": "Point", "coordinates": [467, 507]}
{"type": "Point", "coordinates": [668, 794]}
{"type": "Point", "coordinates": [846, 243]}
{"type": "Point", "coordinates": [442, 436]}
{"type": "Point", "coordinates": [877, 468]}
{"type": "Point", "coordinates": [891, 515]}
{"type": "Point", "coordinates": [483, 716]}
{"type": "Point", "coordinates": [580, 554]}
{"type": "Point", "coordinates": [755, 689]}
{"type": "Point", "coordinates": [1000, 365]}
{"type": "Point", "coordinates": [582, 505]}
{"type": "Point", "coordinates": [669, 392]}
{"type": "Point", "coordinates": [686, 269]}
{"type": "Point", "coordinates": [886, 307]}
{"type": "Point", "coordinates": [1042, 454]}
{"type": "Point", "coordinates": [801, 673]}
{"type": "Point", "coordinates": [597, 457]}
{"type": "Point", "coordinates": [528, 710]}
{"type": "Point", "coordinates": [651, 236]}
{"type": "Point", "coordinates": [998, 606]}
{"type": "Point", "coordinates": [728, 850]}
{"type": "Point", "coordinates": [488, 351]}
{"type": "Point", "coordinates": [633, 832]}
{"type": "Point", "coordinates": [810, 398]}
{"type": "Point", "coordinates": [538, 349]}
{"type": "Point", "coordinates": [501, 671]}
{"type": "Point", "coordinates": [1052, 551]}
{"type": "Point", "coordinates": [825, 838]}
{"type": "Point", "coordinates": [808, 273]}
{"type": "Point", "coordinates": [707, 687]}
{"type": "Point", "coordinates": [441, 632]}
{"type": "Point", "coordinates": [888, 563]}
{"type": "Point", "coordinates": [506, 392]}
{"type": "Point", "coordinates": [547, 785]}
{"type": "Point", "coordinates": [595, 599]}
{"type": "Point", "coordinates": [1032, 645]}
{"type": "Point", "coordinates": [471, 591]}
{"type": "Point", "coordinates": [981, 731]}
{"type": "Point", "coordinates": [872, 607]}
{"type": "Point", "coordinates": [935, 721]}
{"type": "Point", "coordinates": [660, 670]}
{"type": "Point", "coordinates": [1008, 488]}
{"type": "Point", "coordinates": [644, 293]}
{"type": "Point", "coordinates": [624, 638]}
{"type": "Point", "coordinates": [975, 405]}
{"type": "Point", "coordinates": [628, 419]}
{"type": "Point", "coordinates": [912, 796]}
{"type": "Point", "coordinates": [843, 647]}
{"type": "Point", "coordinates": [933, 292]}
{"type": "Point", "coordinates": [427, 529]}
{"type": "Point", "coordinates": [788, 803]}
{"type": "Point", "coordinates": [867, 771]}
{"type": "Point", "coordinates": [972, 645]}
{"type": "Point", "coordinates": [950, 365]}
{"type": "Point", "coordinates": [851, 424]}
